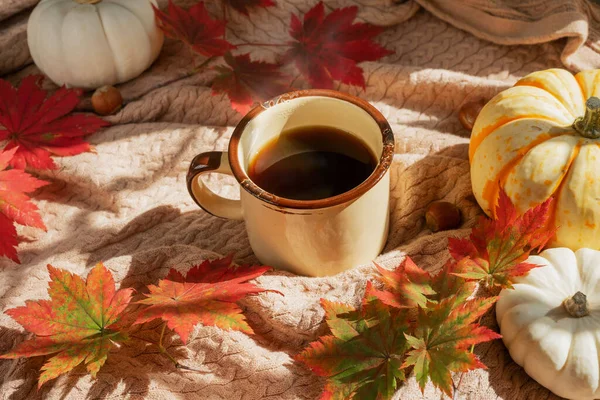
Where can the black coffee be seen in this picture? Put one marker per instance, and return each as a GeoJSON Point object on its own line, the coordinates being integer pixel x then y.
{"type": "Point", "coordinates": [312, 163]}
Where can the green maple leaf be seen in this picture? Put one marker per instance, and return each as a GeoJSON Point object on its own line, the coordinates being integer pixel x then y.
{"type": "Point", "coordinates": [362, 356]}
{"type": "Point", "coordinates": [497, 249]}
{"type": "Point", "coordinates": [80, 322]}
{"type": "Point", "coordinates": [440, 342]}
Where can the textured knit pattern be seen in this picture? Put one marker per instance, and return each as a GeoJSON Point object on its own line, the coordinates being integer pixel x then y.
{"type": "Point", "coordinates": [127, 204]}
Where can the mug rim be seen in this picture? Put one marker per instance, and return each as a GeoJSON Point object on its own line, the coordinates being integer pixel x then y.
{"type": "Point", "coordinates": [383, 165]}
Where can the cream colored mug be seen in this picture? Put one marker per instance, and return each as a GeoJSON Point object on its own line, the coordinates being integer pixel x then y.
{"type": "Point", "coordinates": [307, 237]}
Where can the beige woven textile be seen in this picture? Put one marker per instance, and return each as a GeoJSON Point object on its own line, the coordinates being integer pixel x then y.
{"type": "Point", "coordinates": [127, 203]}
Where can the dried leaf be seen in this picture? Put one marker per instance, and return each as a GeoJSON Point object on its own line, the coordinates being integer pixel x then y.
{"type": "Point", "coordinates": [78, 324]}
{"type": "Point", "coordinates": [15, 206]}
{"type": "Point", "coordinates": [40, 126]}
{"type": "Point", "coordinates": [443, 333]}
{"type": "Point", "coordinates": [247, 82]}
{"type": "Point", "coordinates": [194, 27]}
{"type": "Point", "coordinates": [361, 358]}
{"type": "Point", "coordinates": [207, 295]}
{"type": "Point", "coordinates": [497, 249]}
{"type": "Point", "coordinates": [327, 48]}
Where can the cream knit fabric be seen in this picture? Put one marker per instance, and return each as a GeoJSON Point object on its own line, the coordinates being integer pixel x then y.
{"type": "Point", "coordinates": [127, 205]}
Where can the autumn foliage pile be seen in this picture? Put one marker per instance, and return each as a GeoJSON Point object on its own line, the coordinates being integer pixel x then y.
{"type": "Point", "coordinates": [409, 321]}
{"type": "Point", "coordinates": [424, 323]}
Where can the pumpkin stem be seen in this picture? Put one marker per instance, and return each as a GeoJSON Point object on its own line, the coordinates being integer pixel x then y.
{"type": "Point", "coordinates": [589, 125]}
{"type": "Point", "coordinates": [87, 1]}
{"type": "Point", "coordinates": [577, 306]}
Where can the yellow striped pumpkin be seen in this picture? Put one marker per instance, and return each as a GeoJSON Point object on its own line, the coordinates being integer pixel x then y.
{"type": "Point", "coordinates": [541, 139]}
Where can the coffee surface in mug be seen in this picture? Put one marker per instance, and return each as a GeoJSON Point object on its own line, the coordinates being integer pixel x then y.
{"type": "Point", "coordinates": [312, 163]}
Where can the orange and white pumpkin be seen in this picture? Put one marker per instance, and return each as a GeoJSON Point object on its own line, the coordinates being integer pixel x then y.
{"type": "Point", "coordinates": [541, 139]}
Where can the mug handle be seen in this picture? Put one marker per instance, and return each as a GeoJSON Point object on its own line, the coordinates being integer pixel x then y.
{"type": "Point", "coordinates": [209, 201]}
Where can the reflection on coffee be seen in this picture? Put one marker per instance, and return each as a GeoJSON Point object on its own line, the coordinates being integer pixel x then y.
{"type": "Point", "coordinates": [311, 163]}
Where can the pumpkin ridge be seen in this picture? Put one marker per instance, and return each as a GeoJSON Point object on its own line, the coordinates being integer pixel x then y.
{"type": "Point", "coordinates": [581, 91]}
{"type": "Point", "coordinates": [558, 192]}
{"type": "Point", "coordinates": [540, 85]}
{"type": "Point", "coordinates": [489, 129]}
{"type": "Point", "coordinates": [524, 330]}
{"type": "Point", "coordinates": [596, 83]}
{"type": "Point", "coordinates": [137, 17]}
{"type": "Point", "coordinates": [561, 77]}
{"type": "Point", "coordinates": [112, 53]}
{"type": "Point", "coordinates": [492, 186]}
{"type": "Point", "coordinates": [570, 358]}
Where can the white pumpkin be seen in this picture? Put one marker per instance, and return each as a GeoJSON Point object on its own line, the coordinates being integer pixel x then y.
{"type": "Point", "coordinates": [550, 322]}
{"type": "Point", "coordinates": [92, 43]}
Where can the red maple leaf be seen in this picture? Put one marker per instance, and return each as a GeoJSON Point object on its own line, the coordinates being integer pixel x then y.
{"type": "Point", "coordinates": [79, 324]}
{"type": "Point", "coordinates": [247, 82]}
{"type": "Point", "coordinates": [207, 295]}
{"type": "Point", "coordinates": [242, 6]}
{"type": "Point", "coordinates": [447, 284]}
{"type": "Point", "coordinates": [327, 48]}
{"type": "Point", "coordinates": [406, 286]}
{"type": "Point", "coordinates": [194, 27]}
{"type": "Point", "coordinates": [497, 248]}
{"type": "Point", "coordinates": [39, 126]}
{"type": "Point", "coordinates": [15, 206]}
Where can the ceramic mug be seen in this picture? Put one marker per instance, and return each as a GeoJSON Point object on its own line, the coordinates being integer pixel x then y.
{"type": "Point", "coordinates": [307, 237]}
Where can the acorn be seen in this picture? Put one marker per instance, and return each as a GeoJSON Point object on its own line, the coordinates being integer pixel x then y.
{"type": "Point", "coordinates": [441, 216]}
{"type": "Point", "coordinates": [468, 113]}
{"type": "Point", "coordinates": [107, 100]}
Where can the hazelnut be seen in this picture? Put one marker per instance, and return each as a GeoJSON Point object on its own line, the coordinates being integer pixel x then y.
{"type": "Point", "coordinates": [441, 216]}
{"type": "Point", "coordinates": [468, 113]}
{"type": "Point", "coordinates": [107, 100]}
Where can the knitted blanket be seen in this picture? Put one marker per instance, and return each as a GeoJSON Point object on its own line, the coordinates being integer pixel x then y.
{"type": "Point", "coordinates": [127, 205]}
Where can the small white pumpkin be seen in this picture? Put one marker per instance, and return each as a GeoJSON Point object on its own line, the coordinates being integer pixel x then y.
{"type": "Point", "coordinates": [550, 322]}
{"type": "Point", "coordinates": [92, 43]}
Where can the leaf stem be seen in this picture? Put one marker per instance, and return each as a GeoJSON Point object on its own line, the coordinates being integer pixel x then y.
{"type": "Point", "coordinates": [162, 335]}
{"type": "Point", "coordinates": [163, 350]}
{"type": "Point", "coordinates": [455, 387]}
{"type": "Point", "coordinates": [142, 339]}
{"type": "Point", "coordinates": [294, 81]}
{"type": "Point", "coordinates": [203, 64]}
